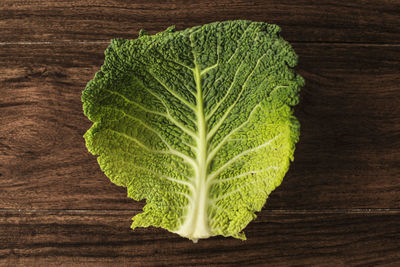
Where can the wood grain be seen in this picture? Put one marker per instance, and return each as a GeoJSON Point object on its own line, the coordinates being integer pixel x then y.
{"type": "Point", "coordinates": [94, 238]}
{"type": "Point", "coordinates": [348, 155]}
{"type": "Point", "coordinates": [339, 204]}
{"type": "Point", "coordinates": [362, 21]}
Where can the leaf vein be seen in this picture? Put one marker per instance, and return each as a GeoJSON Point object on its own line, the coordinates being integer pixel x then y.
{"type": "Point", "coordinates": [243, 174]}
{"type": "Point", "coordinates": [167, 116]}
{"type": "Point", "coordinates": [226, 138]}
{"type": "Point", "coordinates": [234, 159]}
{"type": "Point", "coordinates": [216, 127]}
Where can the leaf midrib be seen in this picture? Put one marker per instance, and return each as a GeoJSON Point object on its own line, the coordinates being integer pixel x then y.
{"type": "Point", "coordinates": [196, 225]}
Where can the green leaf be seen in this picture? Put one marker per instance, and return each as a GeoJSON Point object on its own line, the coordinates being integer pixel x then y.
{"type": "Point", "coordinates": [196, 122]}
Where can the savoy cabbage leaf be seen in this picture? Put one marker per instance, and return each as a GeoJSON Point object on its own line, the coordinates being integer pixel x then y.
{"type": "Point", "coordinates": [196, 122]}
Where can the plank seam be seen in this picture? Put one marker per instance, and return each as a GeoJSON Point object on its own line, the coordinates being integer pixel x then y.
{"type": "Point", "coordinates": [394, 44]}
{"type": "Point", "coordinates": [269, 211]}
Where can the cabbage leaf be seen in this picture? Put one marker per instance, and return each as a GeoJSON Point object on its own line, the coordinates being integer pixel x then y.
{"type": "Point", "coordinates": [198, 123]}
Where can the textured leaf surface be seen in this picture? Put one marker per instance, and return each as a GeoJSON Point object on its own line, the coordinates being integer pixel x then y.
{"type": "Point", "coordinates": [196, 122]}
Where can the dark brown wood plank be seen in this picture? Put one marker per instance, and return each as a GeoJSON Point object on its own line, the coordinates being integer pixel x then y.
{"type": "Point", "coordinates": [348, 155]}
{"type": "Point", "coordinates": [329, 21]}
{"type": "Point", "coordinates": [277, 238]}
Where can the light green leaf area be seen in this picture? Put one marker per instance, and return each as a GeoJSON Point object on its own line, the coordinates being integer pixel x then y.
{"type": "Point", "coordinates": [198, 123]}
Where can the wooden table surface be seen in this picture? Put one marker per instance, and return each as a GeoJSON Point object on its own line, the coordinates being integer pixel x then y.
{"type": "Point", "coordinates": [338, 205]}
